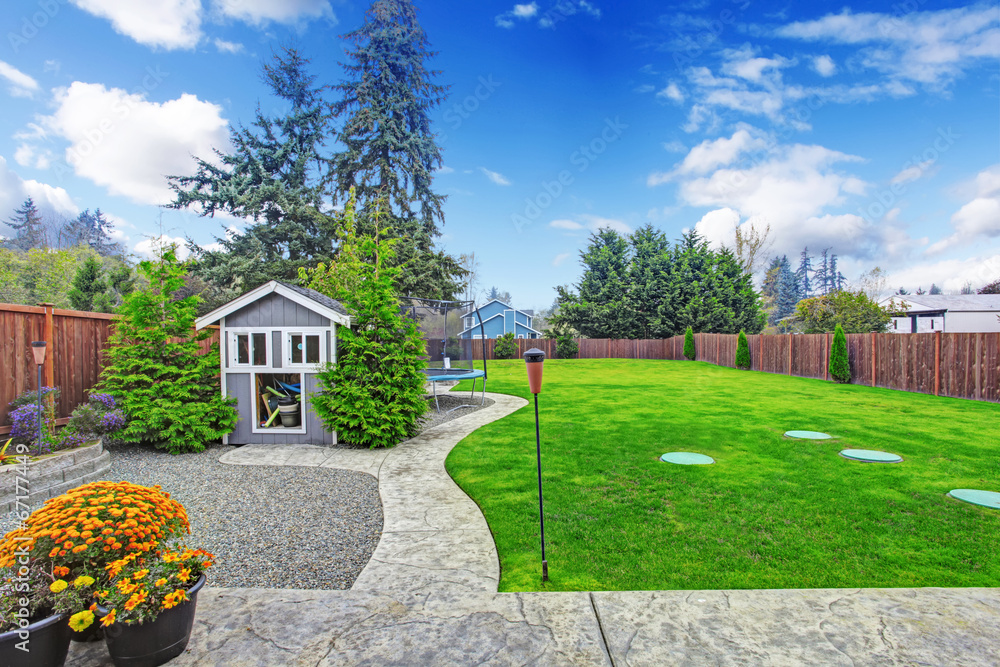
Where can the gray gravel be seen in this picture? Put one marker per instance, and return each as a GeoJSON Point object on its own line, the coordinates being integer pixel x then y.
{"type": "Point", "coordinates": [268, 526]}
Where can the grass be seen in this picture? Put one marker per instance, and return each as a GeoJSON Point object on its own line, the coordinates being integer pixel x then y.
{"type": "Point", "coordinates": [771, 513]}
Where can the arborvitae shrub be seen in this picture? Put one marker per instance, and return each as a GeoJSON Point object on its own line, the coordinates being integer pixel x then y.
{"type": "Point", "coordinates": [840, 366]}
{"type": "Point", "coordinates": [742, 352]}
{"type": "Point", "coordinates": [566, 347]}
{"type": "Point", "coordinates": [689, 344]}
{"type": "Point", "coordinates": [505, 347]}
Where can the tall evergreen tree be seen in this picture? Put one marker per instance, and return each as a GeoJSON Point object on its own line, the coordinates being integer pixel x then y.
{"type": "Point", "coordinates": [91, 229]}
{"type": "Point", "coordinates": [821, 276]}
{"type": "Point", "coordinates": [597, 310]}
{"type": "Point", "coordinates": [648, 263]}
{"type": "Point", "coordinates": [804, 274]}
{"type": "Point", "coordinates": [390, 151]}
{"type": "Point", "coordinates": [29, 230]}
{"type": "Point", "coordinates": [89, 288]}
{"type": "Point", "coordinates": [274, 178]}
{"type": "Point", "coordinates": [780, 290]}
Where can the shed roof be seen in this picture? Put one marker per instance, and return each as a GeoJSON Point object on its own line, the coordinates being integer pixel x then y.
{"type": "Point", "coordinates": [952, 302]}
{"type": "Point", "coordinates": [311, 299]}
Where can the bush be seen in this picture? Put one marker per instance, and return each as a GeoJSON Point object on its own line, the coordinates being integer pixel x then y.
{"type": "Point", "coordinates": [840, 365]}
{"type": "Point", "coordinates": [505, 347]}
{"type": "Point", "coordinates": [566, 347]}
{"type": "Point", "coordinates": [689, 352]}
{"type": "Point", "coordinates": [98, 417]}
{"type": "Point", "coordinates": [742, 352]}
{"type": "Point", "coordinates": [23, 417]}
{"type": "Point", "coordinates": [165, 385]}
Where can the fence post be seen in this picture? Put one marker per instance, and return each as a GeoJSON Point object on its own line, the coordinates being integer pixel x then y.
{"type": "Point", "coordinates": [874, 358]}
{"type": "Point", "coordinates": [790, 339]}
{"type": "Point", "coordinates": [937, 363]}
{"type": "Point", "coordinates": [826, 356]}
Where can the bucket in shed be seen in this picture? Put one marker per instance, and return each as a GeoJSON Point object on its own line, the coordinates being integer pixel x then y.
{"type": "Point", "coordinates": [288, 411]}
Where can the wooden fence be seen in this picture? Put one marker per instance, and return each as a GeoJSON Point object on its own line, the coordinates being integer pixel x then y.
{"type": "Point", "coordinates": [74, 358]}
{"type": "Point", "coordinates": [963, 365]}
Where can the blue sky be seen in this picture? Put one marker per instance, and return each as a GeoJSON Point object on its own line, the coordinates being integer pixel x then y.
{"type": "Point", "coordinates": [872, 129]}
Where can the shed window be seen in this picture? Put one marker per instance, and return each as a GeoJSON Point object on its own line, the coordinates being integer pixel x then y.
{"type": "Point", "coordinates": [251, 349]}
{"type": "Point", "coordinates": [304, 349]}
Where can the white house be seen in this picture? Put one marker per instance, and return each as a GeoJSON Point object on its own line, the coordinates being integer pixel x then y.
{"type": "Point", "coordinates": [953, 313]}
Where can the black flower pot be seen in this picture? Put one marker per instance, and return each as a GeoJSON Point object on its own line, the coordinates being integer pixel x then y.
{"type": "Point", "coordinates": [154, 642]}
{"type": "Point", "coordinates": [47, 644]}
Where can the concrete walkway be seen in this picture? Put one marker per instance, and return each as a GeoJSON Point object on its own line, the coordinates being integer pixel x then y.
{"type": "Point", "coordinates": [428, 597]}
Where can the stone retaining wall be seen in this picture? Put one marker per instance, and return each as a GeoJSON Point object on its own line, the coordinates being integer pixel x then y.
{"type": "Point", "coordinates": [50, 476]}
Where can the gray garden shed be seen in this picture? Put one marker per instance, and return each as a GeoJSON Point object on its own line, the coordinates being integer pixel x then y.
{"type": "Point", "coordinates": [272, 341]}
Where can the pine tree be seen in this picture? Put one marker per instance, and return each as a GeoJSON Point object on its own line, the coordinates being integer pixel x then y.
{"type": "Point", "coordinates": [935, 289]}
{"type": "Point", "coordinates": [28, 227]}
{"type": "Point", "coordinates": [89, 287]}
{"type": "Point", "coordinates": [788, 290]}
{"type": "Point", "coordinates": [156, 371]}
{"type": "Point", "coordinates": [802, 275]}
{"type": "Point", "coordinates": [373, 395]}
{"type": "Point", "coordinates": [821, 276]}
{"type": "Point", "coordinates": [274, 178]}
{"type": "Point", "coordinates": [835, 276]}
{"type": "Point", "coordinates": [840, 366]}
{"type": "Point", "coordinates": [742, 352]}
{"type": "Point", "coordinates": [390, 150]}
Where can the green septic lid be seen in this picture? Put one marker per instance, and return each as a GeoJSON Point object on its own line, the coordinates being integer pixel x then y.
{"type": "Point", "coordinates": [808, 435]}
{"type": "Point", "coordinates": [687, 458]}
{"type": "Point", "coordinates": [989, 499]}
{"type": "Point", "coordinates": [870, 455]}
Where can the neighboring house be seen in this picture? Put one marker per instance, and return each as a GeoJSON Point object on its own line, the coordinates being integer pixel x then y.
{"type": "Point", "coordinates": [954, 313]}
{"type": "Point", "coordinates": [276, 337]}
{"type": "Point", "coordinates": [499, 318]}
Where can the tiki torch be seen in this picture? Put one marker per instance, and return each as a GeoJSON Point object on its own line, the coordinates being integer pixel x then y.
{"type": "Point", "coordinates": [534, 360]}
{"type": "Point", "coordinates": [38, 350]}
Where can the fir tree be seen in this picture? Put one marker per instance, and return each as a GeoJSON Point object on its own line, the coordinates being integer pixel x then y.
{"type": "Point", "coordinates": [274, 178]}
{"type": "Point", "coordinates": [156, 371]}
{"type": "Point", "coordinates": [742, 352]}
{"type": "Point", "coordinates": [935, 289]}
{"type": "Point", "coordinates": [788, 290]}
{"type": "Point", "coordinates": [803, 275]}
{"type": "Point", "coordinates": [29, 231]}
{"type": "Point", "coordinates": [390, 150]}
{"type": "Point", "coordinates": [91, 229]}
{"type": "Point", "coordinates": [840, 366]}
{"type": "Point", "coordinates": [821, 276]}
{"type": "Point", "coordinates": [373, 395]}
{"type": "Point", "coordinates": [89, 288]}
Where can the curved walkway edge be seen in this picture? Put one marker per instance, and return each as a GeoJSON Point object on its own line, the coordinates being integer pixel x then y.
{"type": "Point", "coordinates": [434, 537]}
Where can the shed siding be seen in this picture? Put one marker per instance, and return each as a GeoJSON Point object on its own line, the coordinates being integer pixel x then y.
{"type": "Point", "coordinates": [275, 310]}
{"type": "Point", "coordinates": [238, 385]}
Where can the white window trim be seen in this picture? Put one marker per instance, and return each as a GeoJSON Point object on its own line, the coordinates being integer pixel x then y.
{"type": "Point", "coordinates": [286, 347]}
{"type": "Point", "coordinates": [234, 349]}
{"type": "Point", "coordinates": [255, 401]}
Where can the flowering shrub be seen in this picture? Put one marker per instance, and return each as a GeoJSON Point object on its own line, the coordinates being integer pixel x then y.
{"type": "Point", "coordinates": [98, 417]}
{"type": "Point", "coordinates": [23, 416]}
{"type": "Point", "coordinates": [140, 587]}
{"type": "Point", "coordinates": [92, 525]}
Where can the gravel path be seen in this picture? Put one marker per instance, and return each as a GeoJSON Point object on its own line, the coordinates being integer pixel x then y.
{"type": "Point", "coordinates": [271, 527]}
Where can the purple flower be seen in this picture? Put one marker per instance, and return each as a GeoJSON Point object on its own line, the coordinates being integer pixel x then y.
{"type": "Point", "coordinates": [106, 401]}
{"type": "Point", "coordinates": [25, 422]}
{"type": "Point", "coordinates": [112, 421]}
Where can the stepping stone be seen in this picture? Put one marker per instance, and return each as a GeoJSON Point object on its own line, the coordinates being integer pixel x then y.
{"type": "Point", "coordinates": [989, 499]}
{"type": "Point", "coordinates": [871, 456]}
{"type": "Point", "coordinates": [808, 435]}
{"type": "Point", "coordinates": [687, 458]}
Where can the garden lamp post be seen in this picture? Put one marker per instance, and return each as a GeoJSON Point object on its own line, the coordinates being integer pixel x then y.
{"type": "Point", "coordinates": [534, 360]}
{"type": "Point", "coordinates": [38, 350]}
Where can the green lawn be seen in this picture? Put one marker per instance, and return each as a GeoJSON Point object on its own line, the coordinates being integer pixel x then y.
{"type": "Point", "coordinates": [771, 513]}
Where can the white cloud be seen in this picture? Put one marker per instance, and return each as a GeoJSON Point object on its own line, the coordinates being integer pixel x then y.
{"type": "Point", "coordinates": [259, 12]}
{"type": "Point", "coordinates": [51, 201]}
{"type": "Point", "coordinates": [560, 258]}
{"type": "Point", "coordinates": [671, 92]}
{"type": "Point", "coordinates": [912, 173]}
{"type": "Point", "coordinates": [675, 147]}
{"type": "Point", "coordinates": [497, 178]}
{"type": "Point", "coordinates": [129, 145]}
{"type": "Point", "coordinates": [590, 223]}
{"type": "Point", "coordinates": [717, 227]}
{"type": "Point", "coordinates": [21, 85]}
{"type": "Point", "coordinates": [824, 65]}
{"type": "Point", "coordinates": [950, 274]}
{"type": "Point", "coordinates": [27, 155]}
{"type": "Point", "coordinates": [170, 24]}
{"type": "Point", "coordinates": [525, 11]}
{"type": "Point", "coordinates": [928, 47]}
{"type": "Point", "coordinates": [151, 247]}
{"type": "Point", "coordinates": [979, 219]}
{"type": "Point", "coordinates": [745, 64]}
{"type": "Point", "coordinates": [444, 169]}
{"type": "Point", "coordinates": [228, 47]}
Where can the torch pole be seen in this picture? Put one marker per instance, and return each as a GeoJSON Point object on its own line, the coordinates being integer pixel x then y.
{"type": "Point", "coordinates": [40, 420]}
{"type": "Point", "coordinates": [541, 511]}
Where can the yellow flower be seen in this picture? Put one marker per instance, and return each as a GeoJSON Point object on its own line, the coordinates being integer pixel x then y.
{"type": "Point", "coordinates": [58, 585]}
{"type": "Point", "coordinates": [160, 582]}
{"type": "Point", "coordinates": [109, 619]}
{"type": "Point", "coordinates": [83, 580]}
{"type": "Point", "coordinates": [184, 574]}
{"type": "Point", "coordinates": [140, 574]}
{"type": "Point", "coordinates": [81, 620]}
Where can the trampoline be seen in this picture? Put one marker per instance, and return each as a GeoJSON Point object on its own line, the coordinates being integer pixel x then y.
{"type": "Point", "coordinates": [453, 335]}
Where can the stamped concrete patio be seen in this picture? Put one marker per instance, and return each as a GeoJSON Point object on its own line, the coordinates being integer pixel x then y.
{"type": "Point", "coordinates": [429, 597]}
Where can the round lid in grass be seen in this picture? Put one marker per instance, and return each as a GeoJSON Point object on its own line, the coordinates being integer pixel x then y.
{"type": "Point", "coordinates": [687, 458]}
{"type": "Point", "coordinates": [808, 435]}
{"type": "Point", "coordinates": [870, 455]}
{"type": "Point", "coordinates": [989, 499]}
